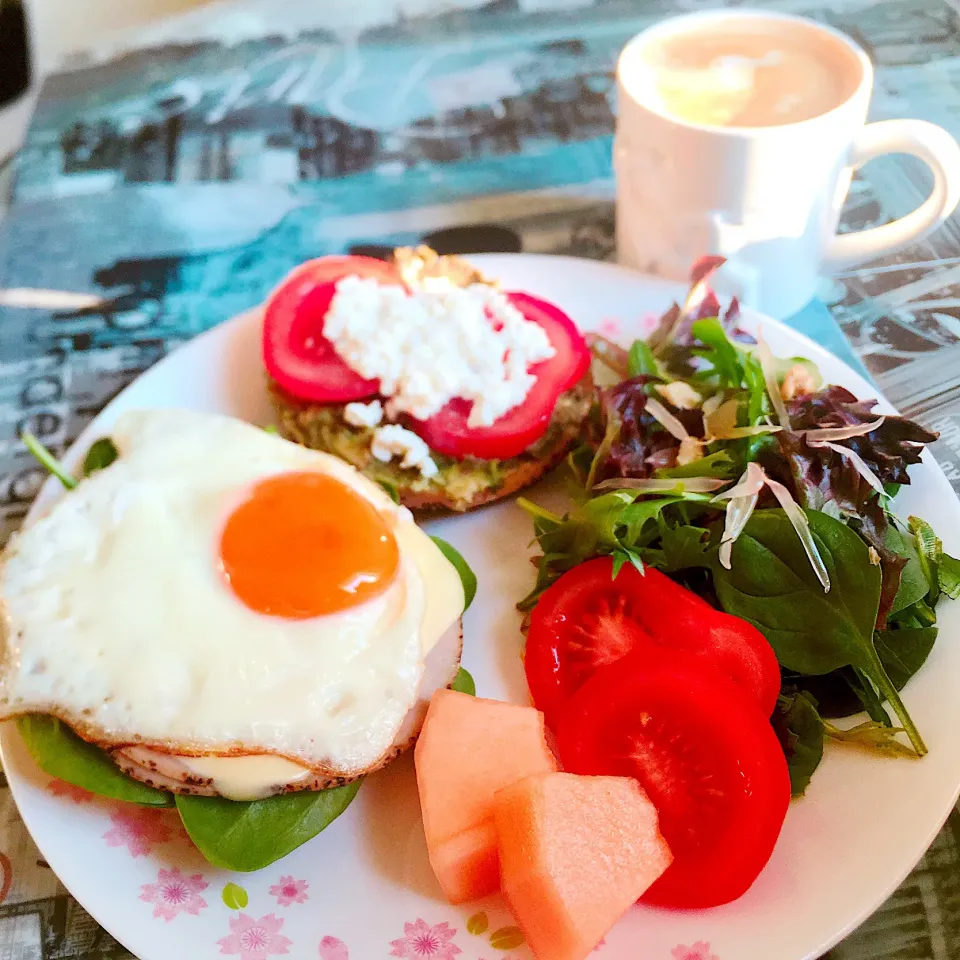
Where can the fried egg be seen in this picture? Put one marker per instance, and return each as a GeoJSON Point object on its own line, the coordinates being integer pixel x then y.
{"type": "Point", "coordinates": [228, 612]}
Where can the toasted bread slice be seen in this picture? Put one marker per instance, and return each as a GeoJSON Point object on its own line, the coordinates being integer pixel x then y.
{"type": "Point", "coordinates": [459, 485]}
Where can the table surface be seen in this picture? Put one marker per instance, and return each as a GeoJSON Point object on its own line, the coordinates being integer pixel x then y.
{"type": "Point", "coordinates": [171, 177]}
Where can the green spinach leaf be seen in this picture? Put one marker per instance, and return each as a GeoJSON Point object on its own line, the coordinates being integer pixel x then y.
{"type": "Point", "coordinates": [60, 753]}
{"type": "Point", "coordinates": [101, 454]}
{"type": "Point", "coordinates": [772, 585]}
{"type": "Point", "coordinates": [869, 699]}
{"type": "Point", "coordinates": [903, 652]}
{"type": "Point", "coordinates": [467, 577]}
{"type": "Point", "coordinates": [800, 731]}
{"type": "Point", "coordinates": [949, 576]}
{"type": "Point", "coordinates": [463, 683]}
{"type": "Point", "coordinates": [914, 582]}
{"type": "Point", "coordinates": [247, 836]}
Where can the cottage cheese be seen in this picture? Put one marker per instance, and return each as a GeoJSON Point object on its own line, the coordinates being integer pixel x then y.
{"type": "Point", "coordinates": [431, 346]}
{"type": "Point", "coordinates": [363, 414]}
{"type": "Point", "coordinates": [396, 441]}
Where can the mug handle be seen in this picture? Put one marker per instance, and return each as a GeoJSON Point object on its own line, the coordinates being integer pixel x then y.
{"type": "Point", "coordinates": [939, 151]}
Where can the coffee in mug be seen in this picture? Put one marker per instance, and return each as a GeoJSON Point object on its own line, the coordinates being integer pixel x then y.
{"type": "Point", "coordinates": [750, 74]}
{"type": "Point", "coordinates": [738, 133]}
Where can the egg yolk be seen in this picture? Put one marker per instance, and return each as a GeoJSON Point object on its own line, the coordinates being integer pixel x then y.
{"type": "Point", "coordinates": [305, 544]}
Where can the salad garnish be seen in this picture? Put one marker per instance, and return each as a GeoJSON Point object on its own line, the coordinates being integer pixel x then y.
{"type": "Point", "coordinates": [768, 493]}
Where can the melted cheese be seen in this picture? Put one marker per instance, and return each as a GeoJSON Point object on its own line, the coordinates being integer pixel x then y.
{"type": "Point", "coordinates": [246, 778]}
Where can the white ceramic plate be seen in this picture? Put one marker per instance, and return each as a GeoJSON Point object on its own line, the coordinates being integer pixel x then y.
{"type": "Point", "coordinates": [363, 889]}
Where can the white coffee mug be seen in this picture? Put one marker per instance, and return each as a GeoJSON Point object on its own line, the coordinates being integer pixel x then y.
{"type": "Point", "coordinates": [767, 197]}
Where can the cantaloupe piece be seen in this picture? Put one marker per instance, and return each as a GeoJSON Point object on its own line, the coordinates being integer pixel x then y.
{"type": "Point", "coordinates": [468, 749]}
{"type": "Point", "coordinates": [575, 852]}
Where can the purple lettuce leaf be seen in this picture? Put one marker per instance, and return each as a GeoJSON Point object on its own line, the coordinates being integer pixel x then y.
{"type": "Point", "coordinates": [639, 444]}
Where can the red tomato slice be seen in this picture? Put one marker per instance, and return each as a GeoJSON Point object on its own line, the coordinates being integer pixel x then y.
{"type": "Point", "coordinates": [587, 619]}
{"type": "Point", "coordinates": [447, 431]}
{"type": "Point", "coordinates": [706, 756]}
{"type": "Point", "coordinates": [295, 352]}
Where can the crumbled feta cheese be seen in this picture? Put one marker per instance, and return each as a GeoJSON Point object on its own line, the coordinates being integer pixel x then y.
{"type": "Point", "coordinates": [396, 441]}
{"type": "Point", "coordinates": [432, 345]}
{"type": "Point", "coordinates": [680, 394]}
{"type": "Point", "coordinates": [363, 414]}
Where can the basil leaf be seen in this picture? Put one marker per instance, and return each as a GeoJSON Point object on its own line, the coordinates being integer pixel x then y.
{"type": "Point", "coordinates": [101, 454]}
{"type": "Point", "coordinates": [250, 835]}
{"type": "Point", "coordinates": [800, 730]}
{"type": "Point", "coordinates": [642, 362]}
{"type": "Point", "coordinates": [47, 460]}
{"type": "Point", "coordinates": [772, 585]}
{"type": "Point", "coordinates": [463, 683]}
{"type": "Point", "coordinates": [60, 753]}
{"type": "Point", "coordinates": [467, 577]}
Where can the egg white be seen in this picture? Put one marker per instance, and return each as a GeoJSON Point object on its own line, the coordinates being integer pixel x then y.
{"type": "Point", "coordinates": [117, 619]}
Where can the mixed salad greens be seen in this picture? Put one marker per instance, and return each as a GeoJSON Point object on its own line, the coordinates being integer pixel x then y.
{"type": "Point", "coordinates": [768, 493]}
{"type": "Point", "coordinates": [231, 834]}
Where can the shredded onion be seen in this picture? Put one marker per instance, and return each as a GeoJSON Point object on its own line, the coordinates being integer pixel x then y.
{"type": "Point", "coordinates": [800, 523]}
{"type": "Point", "coordinates": [666, 419]}
{"type": "Point", "coordinates": [857, 461]}
{"type": "Point", "coordinates": [743, 501]}
{"type": "Point", "coordinates": [770, 378]}
{"type": "Point", "coordinates": [749, 484]}
{"type": "Point", "coordinates": [739, 511]}
{"type": "Point", "coordinates": [666, 485]}
{"type": "Point", "coordinates": [841, 433]}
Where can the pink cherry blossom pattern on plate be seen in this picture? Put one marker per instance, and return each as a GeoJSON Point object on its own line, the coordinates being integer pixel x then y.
{"type": "Point", "coordinates": [139, 829]}
{"type": "Point", "coordinates": [289, 891]}
{"type": "Point", "coordinates": [174, 893]}
{"type": "Point", "coordinates": [255, 939]}
{"type": "Point", "coordinates": [609, 327]}
{"type": "Point", "coordinates": [421, 940]}
{"type": "Point", "coordinates": [333, 949]}
{"type": "Point", "coordinates": [647, 324]}
{"type": "Point", "coordinates": [60, 788]}
{"type": "Point", "coordinates": [699, 951]}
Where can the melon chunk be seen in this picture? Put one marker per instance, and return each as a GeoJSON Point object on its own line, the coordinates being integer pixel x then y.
{"type": "Point", "coordinates": [469, 748]}
{"type": "Point", "coordinates": [575, 853]}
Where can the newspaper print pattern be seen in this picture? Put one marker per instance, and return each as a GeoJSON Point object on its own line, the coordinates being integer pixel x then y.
{"type": "Point", "coordinates": [121, 200]}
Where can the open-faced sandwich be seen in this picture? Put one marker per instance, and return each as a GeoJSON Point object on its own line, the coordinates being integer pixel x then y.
{"type": "Point", "coordinates": [426, 376]}
{"type": "Point", "coordinates": [219, 615]}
